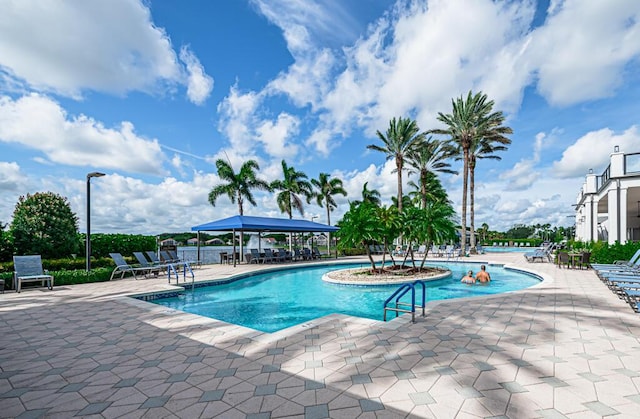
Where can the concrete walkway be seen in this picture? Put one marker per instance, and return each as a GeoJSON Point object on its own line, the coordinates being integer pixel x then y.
{"type": "Point", "coordinates": [567, 348]}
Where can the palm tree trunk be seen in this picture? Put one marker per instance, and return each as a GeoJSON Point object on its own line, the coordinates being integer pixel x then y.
{"type": "Point", "coordinates": [399, 169]}
{"type": "Point", "coordinates": [328, 223]}
{"type": "Point", "coordinates": [472, 169]}
{"type": "Point", "coordinates": [463, 222]}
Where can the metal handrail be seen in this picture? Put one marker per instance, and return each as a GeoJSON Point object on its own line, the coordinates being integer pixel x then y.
{"type": "Point", "coordinates": [399, 293]}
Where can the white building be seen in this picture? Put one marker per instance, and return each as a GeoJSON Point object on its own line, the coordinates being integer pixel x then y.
{"type": "Point", "coordinates": [608, 206]}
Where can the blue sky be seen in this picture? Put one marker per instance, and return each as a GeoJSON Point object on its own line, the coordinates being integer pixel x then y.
{"type": "Point", "coordinates": [152, 93]}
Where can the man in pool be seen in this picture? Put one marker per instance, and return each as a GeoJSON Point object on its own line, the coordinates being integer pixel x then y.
{"type": "Point", "coordinates": [483, 276]}
{"type": "Point", "coordinates": [469, 279]}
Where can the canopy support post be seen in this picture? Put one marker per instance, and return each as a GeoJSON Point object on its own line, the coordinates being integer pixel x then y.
{"type": "Point", "coordinates": [233, 255]}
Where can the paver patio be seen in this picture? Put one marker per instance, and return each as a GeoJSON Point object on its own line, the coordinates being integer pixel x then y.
{"type": "Point", "coordinates": [567, 348]}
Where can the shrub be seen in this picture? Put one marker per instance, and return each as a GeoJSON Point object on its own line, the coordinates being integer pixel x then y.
{"type": "Point", "coordinates": [68, 277]}
{"type": "Point", "coordinates": [103, 244]}
{"type": "Point", "coordinates": [44, 224]}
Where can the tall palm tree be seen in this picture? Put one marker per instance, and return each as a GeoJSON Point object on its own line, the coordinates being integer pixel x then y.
{"type": "Point", "coordinates": [293, 187]}
{"type": "Point", "coordinates": [238, 186]}
{"type": "Point", "coordinates": [428, 189]}
{"type": "Point", "coordinates": [472, 118]}
{"type": "Point", "coordinates": [482, 148]}
{"type": "Point", "coordinates": [427, 158]}
{"type": "Point", "coordinates": [327, 187]}
{"type": "Point", "coordinates": [401, 137]}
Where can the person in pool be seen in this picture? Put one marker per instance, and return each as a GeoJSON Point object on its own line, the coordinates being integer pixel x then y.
{"type": "Point", "coordinates": [468, 279]}
{"type": "Point", "coordinates": [483, 276]}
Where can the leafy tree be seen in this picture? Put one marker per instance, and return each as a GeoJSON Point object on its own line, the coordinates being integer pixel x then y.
{"type": "Point", "coordinates": [428, 190]}
{"type": "Point", "coordinates": [401, 138]}
{"type": "Point", "coordinates": [360, 227]}
{"type": "Point", "coordinates": [44, 224]}
{"type": "Point", "coordinates": [472, 119]}
{"type": "Point", "coordinates": [425, 160]}
{"type": "Point", "coordinates": [389, 219]}
{"type": "Point", "coordinates": [239, 185]}
{"type": "Point", "coordinates": [293, 187]}
{"type": "Point", "coordinates": [327, 187]}
{"type": "Point", "coordinates": [6, 245]}
{"type": "Point", "coordinates": [520, 231]}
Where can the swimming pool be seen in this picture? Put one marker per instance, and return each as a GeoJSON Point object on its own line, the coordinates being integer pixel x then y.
{"type": "Point", "coordinates": [499, 249]}
{"type": "Point", "coordinates": [276, 300]}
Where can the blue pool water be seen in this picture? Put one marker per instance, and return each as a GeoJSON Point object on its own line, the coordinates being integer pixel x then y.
{"type": "Point", "coordinates": [274, 301]}
{"type": "Point", "coordinates": [499, 249]}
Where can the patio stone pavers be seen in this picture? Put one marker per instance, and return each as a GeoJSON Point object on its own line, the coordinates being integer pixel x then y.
{"type": "Point", "coordinates": [567, 348]}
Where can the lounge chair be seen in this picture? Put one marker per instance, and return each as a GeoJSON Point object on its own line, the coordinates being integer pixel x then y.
{"type": "Point", "coordinates": [269, 256]}
{"type": "Point", "coordinates": [315, 253]}
{"type": "Point", "coordinates": [29, 269]}
{"type": "Point", "coordinates": [306, 252]}
{"type": "Point", "coordinates": [563, 259]}
{"type": "Point", "coordinates": [618, 263]}
{"type": "Point", "coordinates": [122, 267]}
{"type": "Point", "coordinates": [152, 267]}
{"type": "Point", "coordinates": [255, 256]}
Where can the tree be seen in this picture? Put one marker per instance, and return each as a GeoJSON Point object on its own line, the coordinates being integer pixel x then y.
{"type": "Point", "coordinates": [425, 159]}
{"type": "Point", "coordinates": [401, 137]}
{"type": "Point", "coordinates": [484, 229]}
{"type": "Point", "coordinates": [327, 187]}
{"type": "Point", "coordinates": [428, 190]}
{"type": "Point", "coordinates": [293, 186]}
{"type": "Point", "coordinates": [239, 185]}
{"type": "Point", "coordinates": [371, 196]}
{"type": "Point", "coordinates": [44, 224]}
{"type": "Point", "coordinates": [471, 119]}
{"type": "Point", "coordinates": [6, 245]}
{"type": "Point", "coordinates": [360, 227]}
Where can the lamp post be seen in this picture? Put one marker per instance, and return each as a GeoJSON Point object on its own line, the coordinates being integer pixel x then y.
{"type": "Point", "coordinates": [88, 241]}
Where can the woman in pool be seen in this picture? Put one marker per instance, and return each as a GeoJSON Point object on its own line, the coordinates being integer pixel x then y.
{"type": "Point", "coordinates": [468, 279]}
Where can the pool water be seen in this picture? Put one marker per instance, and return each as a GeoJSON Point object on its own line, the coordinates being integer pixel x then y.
{"type": "Point", "coordinates": [499, 249]}
{"type": "Point", "coordinates": [273, 301]}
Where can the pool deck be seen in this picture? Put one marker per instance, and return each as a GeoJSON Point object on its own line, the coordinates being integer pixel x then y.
{"type": "Point", "coordinates": [567, 348]}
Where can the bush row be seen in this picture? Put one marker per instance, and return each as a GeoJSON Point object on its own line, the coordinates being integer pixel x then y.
{"type": "Point", "coordinates": [67, 277]}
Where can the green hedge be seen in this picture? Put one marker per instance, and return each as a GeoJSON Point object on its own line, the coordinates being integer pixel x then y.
{"type": "Point", "coordinates": [67, 277]}
{"type": "Point", "coordinates": [103, 244]}
{"type": "Point", "coordinates": [603, 252]}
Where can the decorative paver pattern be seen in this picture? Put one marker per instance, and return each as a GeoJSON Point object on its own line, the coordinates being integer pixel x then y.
{"type": "Point", "coordinates": [567, 348]}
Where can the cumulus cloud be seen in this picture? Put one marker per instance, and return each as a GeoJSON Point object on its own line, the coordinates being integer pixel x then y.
{"type": "Point", "coordinates": [11, 177]}
{"type": "Point", "coordinates": [274, 135]}
{"type": "Point", "coordinates": [68, 47]}
{"type": "Point", "coordinates": [38, 122]}
{"type": "Point", "coordinates": [524, 173]}
{"type": "Point", "coordinates": [598, 39]}
{"type": "Point", "coordinates": [592, 151]}
{"type": "Point", "coordinates": [199, 84]}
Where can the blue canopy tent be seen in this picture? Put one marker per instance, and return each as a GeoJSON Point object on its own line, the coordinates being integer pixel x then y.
{"type": "Point", "coordinates": [260, 225]}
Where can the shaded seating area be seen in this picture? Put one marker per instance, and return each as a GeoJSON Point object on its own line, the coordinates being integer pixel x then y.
{"type": "Point", "coordinates": [29, 269]}
{"type": "Point", "coordinates": [123, 267]}
{"type": "Point", "coordinates": [244, 223]}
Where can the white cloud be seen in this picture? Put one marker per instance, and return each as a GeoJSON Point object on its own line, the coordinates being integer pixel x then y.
{"type": "Point", "coordinates": [276, 136]}
{"type": "Point", "coordinates": [68, 46]}
{"type": "Point", "coordinates": [40, 123]}
{"type": "Point", "coordinates": [11, 178]}
{"type": "Point", "coordinates": [524, 173]}
{"type": "Point", "coordinates": [581, 51]}
{"type": "Point", "coordinates": [199, 84]}
{"type": "Point", "coordinates": [592, 151]}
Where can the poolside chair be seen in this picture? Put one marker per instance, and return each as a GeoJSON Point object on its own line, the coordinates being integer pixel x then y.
{"type": "Point", "coordinates": [618, 263]}
{"type": "Point", "coordinates": [255, 256]}
{"type": "Point", "coordinates": [122, 267]}
{"type": "Point", "coordinates": [29, 269]}
{"type": "Point", "coordinates": [286, 255]}
{"type": "Point", "coordinates": [268, 256]}
{"type": "Point", "coordinates": [144, 262]}
{"type": "Point", "coordinates": [306, 253]}
{"type": "Point", "coordinates": [584, 260]}
{"type": "Point", "coordinates": [563, 259]}
{"type": "Point", "coordinates": [315, 253]}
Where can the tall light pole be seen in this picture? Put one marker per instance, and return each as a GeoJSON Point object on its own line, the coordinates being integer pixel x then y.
{"type": "Point", "coordinates": [88, 241]}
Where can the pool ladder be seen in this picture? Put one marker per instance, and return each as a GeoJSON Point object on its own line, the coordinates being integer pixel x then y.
{"type": "Point", "coordinates": [402, 307]}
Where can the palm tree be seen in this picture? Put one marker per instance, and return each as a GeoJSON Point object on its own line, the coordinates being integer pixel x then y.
{"type": "Point", "coordinates": [238, 186]}
{"type": "Point", "coordinates": [327, 187]}
{"type": "Point", "coordinates": [292, 188]}
{"type": "Point", "coordinates": [371, 196]}
{"type": "Point", "coordinates": [401, 137]}
{"type": "Point", "coordinates": [471, 119]}
{"type": "Point", "coordinates": [428, 189]}
{"type": "Point", "coordinates": [427, 158]}
{"type": "Point", "coordinates": [482, 148]}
